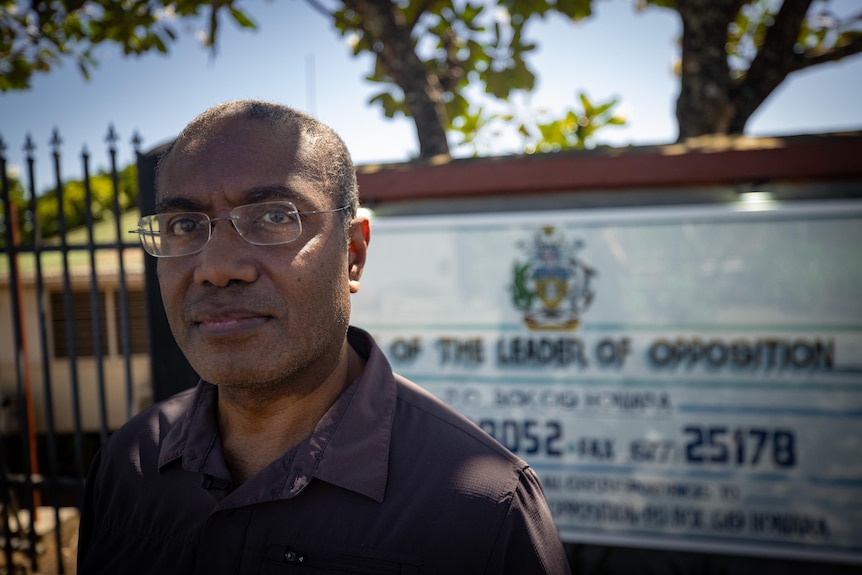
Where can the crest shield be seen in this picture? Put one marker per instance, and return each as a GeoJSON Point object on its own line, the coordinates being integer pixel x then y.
{"type": "Point", "coordinates": [552, 287]}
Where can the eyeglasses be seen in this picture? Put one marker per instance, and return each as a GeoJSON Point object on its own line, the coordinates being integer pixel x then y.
{"type": "Point", "coordinates": [175, 234]}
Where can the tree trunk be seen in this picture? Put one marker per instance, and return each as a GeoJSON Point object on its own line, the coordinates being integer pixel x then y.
{"type": "Point", "coordinates": [704, 105]}
{"type": "Point", "coordinates": [710, 100]}
{"type": "Point", "coordinates": [390, 34]}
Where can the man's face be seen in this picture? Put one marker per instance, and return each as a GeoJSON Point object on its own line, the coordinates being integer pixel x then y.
{"type": "Point", "coordinates": [250, 316]}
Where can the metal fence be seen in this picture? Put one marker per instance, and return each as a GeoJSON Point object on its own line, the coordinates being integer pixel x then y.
{"type": "Point", "coordinates": [69, 369]}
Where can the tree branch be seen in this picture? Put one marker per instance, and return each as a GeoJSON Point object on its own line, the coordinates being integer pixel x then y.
{"type": "Point", "coordinates": [773, 62]}
{"type": "Point", "coordinates": [833, 54]}
{"type": "Point", "coordinates": [319, 8]}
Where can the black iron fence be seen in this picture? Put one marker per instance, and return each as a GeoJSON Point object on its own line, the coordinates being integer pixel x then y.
{"type": "Point", "coordinates": [74, 347]}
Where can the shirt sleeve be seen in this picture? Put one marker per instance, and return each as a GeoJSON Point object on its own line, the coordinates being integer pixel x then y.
{"type": "Point", "coordinates": [528, 541]}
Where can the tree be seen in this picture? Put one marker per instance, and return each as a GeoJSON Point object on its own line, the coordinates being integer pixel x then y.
{"type": "Point", "coordinates": [427, 52]}
{"type": "Point", "coordinates": [37, 36]}
{"type": "Point", "coordinates": [735, 53]}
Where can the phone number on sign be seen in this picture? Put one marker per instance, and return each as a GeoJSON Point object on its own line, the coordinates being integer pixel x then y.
{"type": "Point", "coordinates": [701, 445]}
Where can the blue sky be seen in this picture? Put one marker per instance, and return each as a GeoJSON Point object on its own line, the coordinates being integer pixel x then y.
{"type": "Point", "coordinates": [297, 58]}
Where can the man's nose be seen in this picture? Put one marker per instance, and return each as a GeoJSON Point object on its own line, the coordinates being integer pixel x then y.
{"type": "Point", "coordinates": [226, 257]}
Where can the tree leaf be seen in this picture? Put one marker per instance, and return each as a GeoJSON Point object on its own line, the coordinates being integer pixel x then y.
{"type": "Point", "coordinates": [242, 19]}
{"type": "Point", "coordinates": [575, 9]}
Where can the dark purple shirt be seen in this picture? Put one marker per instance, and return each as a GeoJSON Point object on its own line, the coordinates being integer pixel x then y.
{"type": "Point", "coordinates": [390, 481]}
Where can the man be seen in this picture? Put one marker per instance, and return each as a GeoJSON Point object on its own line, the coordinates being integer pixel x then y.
{"type": "Point", "coordinates": [299, 451]}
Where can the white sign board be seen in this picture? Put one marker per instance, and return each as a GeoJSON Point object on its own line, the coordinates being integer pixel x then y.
{"type": "Point", "coordinates": [678, 377]}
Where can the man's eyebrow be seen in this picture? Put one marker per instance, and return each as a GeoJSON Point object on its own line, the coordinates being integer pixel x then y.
{"type": "Point", "coordinates": [270, 192]}
{"type": "Point", "coordinates": [178, 205]}
{"type": "Point", "coordinates": [249, 196]}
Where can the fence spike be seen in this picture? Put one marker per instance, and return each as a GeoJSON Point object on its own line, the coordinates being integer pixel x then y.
{"type": "Point", "coordinates": [137, 141]}
{"type": "Point", "coordinates": [112, 136]}
{"type": "Point", "coordinates": [56, 141]}
{"type": "Point", "coordinates": [29, 145]}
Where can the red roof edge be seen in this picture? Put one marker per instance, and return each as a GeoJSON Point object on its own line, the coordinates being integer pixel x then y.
{"type": "Point", "coordinates": [701, 161]}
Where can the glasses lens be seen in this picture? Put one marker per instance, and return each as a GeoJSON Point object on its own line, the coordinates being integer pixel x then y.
{"type": "Point", "coordinates": [268, 223]}
{"type": "Point", "coordinates": [174, 234]}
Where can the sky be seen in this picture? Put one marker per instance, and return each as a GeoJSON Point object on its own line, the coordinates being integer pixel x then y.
{"type": "Point", "coordinates": [297, 58]}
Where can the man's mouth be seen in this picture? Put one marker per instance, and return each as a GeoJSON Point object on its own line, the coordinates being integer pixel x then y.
{"type": "Point", "coordinates": [230, 324]}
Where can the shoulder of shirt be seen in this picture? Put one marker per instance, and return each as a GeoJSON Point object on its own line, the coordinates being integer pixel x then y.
{"type": "Point", "coordinates": [156, 420]}
{"type": "Point", "coordinates": [416, 397]}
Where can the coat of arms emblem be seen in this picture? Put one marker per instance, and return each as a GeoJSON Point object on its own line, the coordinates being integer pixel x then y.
{"type": "Point", "coordinates": [552, 287]}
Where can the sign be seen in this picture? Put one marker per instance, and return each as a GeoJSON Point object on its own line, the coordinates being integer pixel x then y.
{"type": "Point", "coordinates": [678, 377]}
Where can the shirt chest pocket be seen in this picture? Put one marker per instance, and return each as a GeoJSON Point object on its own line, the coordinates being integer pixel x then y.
{"type": "Point", "coordinates": [281, 560]}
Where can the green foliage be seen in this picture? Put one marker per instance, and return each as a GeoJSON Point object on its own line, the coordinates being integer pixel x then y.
{"type": "Point", "coordinates": [16, 197]}
{"type": "Point", "coordinates": [825, 32]}
{"type": "Point", "coordinates": [474, 126]}
{"type": "Point", "coordinates": [37, 36]}
{"type": "Point", "coordinates": [577, 129]}
{"type": "Point", "coordinates": [473, 43]}
{"type": "Point", "coordinates": [460, 43]}
{"type": "Point", "coordinates": [522, 297]}
{"type": "Point", "coordinates": [74, 202]}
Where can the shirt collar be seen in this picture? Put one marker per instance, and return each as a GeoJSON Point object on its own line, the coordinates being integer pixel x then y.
{"type": "Point", "coordinates": [349, 447]}
{"type": "Point", "coordinates": [195, 433]}
{"type": "Point", "coordinates": [353, 438]}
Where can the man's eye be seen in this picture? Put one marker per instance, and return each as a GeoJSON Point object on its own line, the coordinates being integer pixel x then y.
{"type": "Point", "coordinates": [182, 226]}
{"type": "Point", "coordinates": [276, 216]}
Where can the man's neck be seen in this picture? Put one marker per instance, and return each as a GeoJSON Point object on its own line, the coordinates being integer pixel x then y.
{"type": "Point", "coordinates": [256, 430]}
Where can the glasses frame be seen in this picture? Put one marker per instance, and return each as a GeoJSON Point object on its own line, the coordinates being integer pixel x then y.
{"type": "Point", "coordinates": [142, 231]}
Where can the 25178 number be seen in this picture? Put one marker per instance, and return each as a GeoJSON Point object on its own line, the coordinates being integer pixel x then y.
{"type": "Point", "coordinates": [740, 446]}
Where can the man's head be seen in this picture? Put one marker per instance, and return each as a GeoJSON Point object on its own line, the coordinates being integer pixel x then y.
{"type": "Point", "coordinates": [252, 316]}
{"type": "Point", "coordinates": [322, 152]}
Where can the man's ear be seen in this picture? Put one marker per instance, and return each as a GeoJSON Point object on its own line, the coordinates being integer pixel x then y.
{"type": "Point", "coordinates": [360, 236]}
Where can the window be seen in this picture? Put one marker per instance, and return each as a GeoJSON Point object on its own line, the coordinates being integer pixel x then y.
{"type": "Point", "coordinates": [137, 321]}
{"type": "Point", "coordinates": [110, 323]}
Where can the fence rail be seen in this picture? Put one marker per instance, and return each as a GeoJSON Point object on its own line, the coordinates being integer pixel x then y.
{"type": "Point", "coordinates": [74, 359]}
